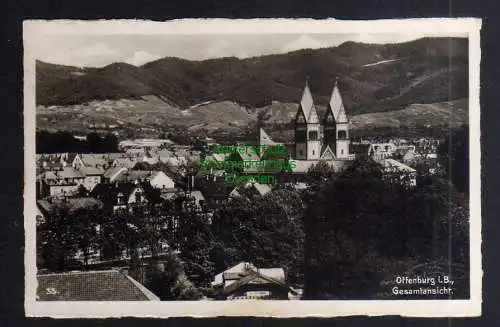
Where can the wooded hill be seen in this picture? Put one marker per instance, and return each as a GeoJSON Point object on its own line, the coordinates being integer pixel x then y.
{"type": "Point", "coordinates": [372, 77]}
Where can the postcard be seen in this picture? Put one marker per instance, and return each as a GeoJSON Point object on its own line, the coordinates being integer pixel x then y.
{"type": "Point", "coordinates": [252, 167]}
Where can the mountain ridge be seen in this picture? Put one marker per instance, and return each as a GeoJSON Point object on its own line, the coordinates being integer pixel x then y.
{"type": "Point", "coordinates": [440, 64]}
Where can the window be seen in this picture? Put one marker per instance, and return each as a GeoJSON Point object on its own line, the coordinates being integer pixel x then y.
{"type": "Point", "coordinates": [301, 152]}
{"type": "Point", "coordinates": [342, 135]}
{"type": "Point", "coordinates": [120, 198]}
{"type": "Point", "coordinates": [314, 153]}
{"type": "Point", "coordinates": [313, 135]}
{"type": "Point", "coordinates": [300, 136]}
{"type": "Point", "coordinates": [329, 118]}
{"type": "Point", "coordinates": [342, 151]}
{"type": "Point", "coordinates": [386, 148]}
{"type": "Point", "coordinates": [138, 196]}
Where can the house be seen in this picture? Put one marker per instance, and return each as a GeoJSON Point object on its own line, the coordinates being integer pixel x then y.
{"type": "Point", "coordinates": [169, 194]}
{"type": "Point", "coordinates": [93, 176]}
{"type": "Point", "coordinates": [265, 139]}
{"type": "Point", "coordinates": [40, 216]}
{"type": "Point", "coordinates": [216, 192]}
{"type": "Point", "coordinates": [361, 150]}
{"type": "Point", "coordinates": [63, 182]}
{"type": "Point", "coordinates": [124, 162]}
{"type": "Point", "coordinates": [397, 171]}
{"type": "Point", "coordinates": [382, 150]}
{"type": "Point", "coordinates": [156, 178]}
{"type": "Point", "coordinates": [54, 160]}
{"type": "Point", "coordinates": [115, 155]}
{"type": "Point", "coordinates": [217, 157]}
{"type": "Point", "coordinates": [123, 195]}
{"type": "Point", "coordinates": [135, 152]}
{"type": "Point", "coordinates": [245, 281]}
{"type": "Point", "coordinates": [148, 158]}
{"type": "Point", "coordinates": [47, 207]}
{"type": "Point", "coordinates": [198, 198]}
{"type": "Point", "coordinates": [250, 188]}
{"type": "Point", "coordinates": [104, 285]}
{"type": "Point", "coordinates": [165, 156]}
{"type": "Point", "coordinates": [303, 166]}
{"type": "Point", "coordinates": [89, 160]}
{"type": "Point", "coordinates": [111, 174]}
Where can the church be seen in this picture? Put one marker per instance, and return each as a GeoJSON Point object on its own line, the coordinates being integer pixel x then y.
{"type": "Point", "coordinates": [318, 138]}
{"type": "Point", "coordinates": [325, 138]}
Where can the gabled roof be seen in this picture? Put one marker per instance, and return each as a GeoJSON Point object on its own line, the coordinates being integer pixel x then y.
{"type": "Point", "coordinates": [69, 172]}
{"type": "Point", "coordinates": [396, 165]}
{"type": "Point", "coordinates": [218, 156]}
{"type": "Point", "coordinates": [93, 159]}
{"type": "Point", "coordinates": [125, 162]}
{"type": "Point", "coordinates": [49, 175]}
{"type": "Point", "coordinates": [264, 138]}
{"type": "Point", "coordinates": [327, 153]}
{"type": "Point", "coordinates": [307, 106]}
{"type": "Point", "coordinates": [106, 285]}
{"type": "Point", "coordinates": [165, 153]}
{"type": "Point", "coordinates": [108, 193]}
{"type": "Point", "coordinates": [115, 155]}
{"type": "Point", "coordinates": [92, 171]}
{"type": "Point", "coordinates": [262, 189]}
{"type": "Point", "coordinates": [197, 195]}
{"type": "Point", "coordinates": [111, 172]}
{"type": "Point", "coordinates": [247, 156]}
{"type": "Point", "coordinates": [336, 106]}
{"type": "Point", "coordinates": [250, 274]}
{"type": "Point", "coordinates": [72, 204]}
{"type": "Point", "coordinates": [238, 268]}
{"type": "Point", "coordinates": [133, 175]}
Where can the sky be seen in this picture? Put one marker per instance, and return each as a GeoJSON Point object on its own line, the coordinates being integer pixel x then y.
{"type": "Point", "coordinates": [86, 50]}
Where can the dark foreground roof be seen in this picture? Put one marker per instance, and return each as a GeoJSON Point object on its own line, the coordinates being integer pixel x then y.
{"type": "Point", "coordinates": [106, 285]}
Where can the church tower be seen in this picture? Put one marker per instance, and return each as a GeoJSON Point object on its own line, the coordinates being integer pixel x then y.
{"type": "Point", "coordinates": [307, 129]}
{"type": "Point", "coordinates": [336, 125]}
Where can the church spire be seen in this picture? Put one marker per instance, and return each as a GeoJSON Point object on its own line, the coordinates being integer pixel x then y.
{"type": "Point", "coordinates": [307, 105]}
{"type": "Point", "coordinates": [336, 105]}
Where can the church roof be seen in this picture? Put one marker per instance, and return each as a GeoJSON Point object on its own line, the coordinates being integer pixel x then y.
{"type": "Point", "coordinates": [327, 153]}
{"type": "Point", "coordinates": [307, 106]}
{"type": "Point", "coordinates": [336, 106]}
{"type": "Point", "coordinates": [265, 139]}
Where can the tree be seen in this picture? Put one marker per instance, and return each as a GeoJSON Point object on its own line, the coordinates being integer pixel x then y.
{"type": "Point", "coordinates": [110, 143]}
{"type": "Point", "coordinates": [52, 240]}
{"type": "Point", "coordinates": [142, 166]}
{"type": "Point", "coordinates": [196, 243]}
{"type": "Point", "coordinates": [454, 156]}
{"type": "Point", "coordinates": [320, 172]}
{"type": "Point", "coordinates": [266, 231]}
{"type": "Point", "coordinates": [168, 280]}
{"type": "Point", "coordinates": [94, 143]}
{"type": "Point", "coordinates": [363, 219]}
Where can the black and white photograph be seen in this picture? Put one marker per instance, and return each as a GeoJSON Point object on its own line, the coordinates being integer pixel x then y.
{"type": "Point", "coordinates": [252, 167]}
